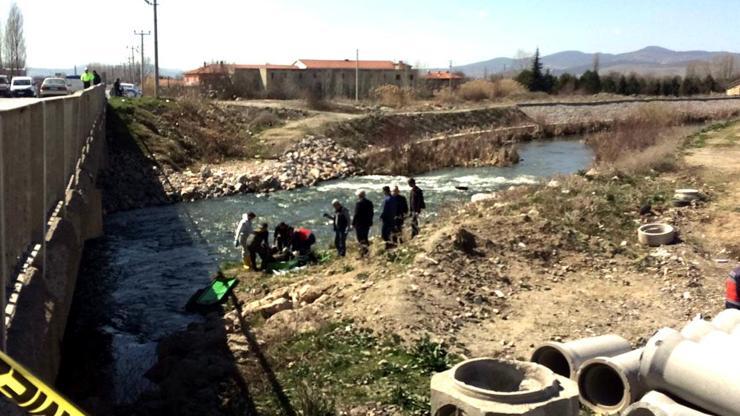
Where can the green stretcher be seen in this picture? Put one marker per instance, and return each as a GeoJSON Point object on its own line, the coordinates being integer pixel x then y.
{"type": "Point", "coordinates": [286, 265]}
{"type": "Point", "coordinates": [209, 297]}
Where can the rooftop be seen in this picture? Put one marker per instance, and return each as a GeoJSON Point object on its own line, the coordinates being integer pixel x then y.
{"type": "Point", "coordinates": [346, 64]}
{"type": "Point", "coordinates": [444, 75]}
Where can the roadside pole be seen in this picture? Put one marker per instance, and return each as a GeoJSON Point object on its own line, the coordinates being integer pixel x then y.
{"type": "Point", "coordinates": [357, 75]}
{"type": "Point", "coordinates": [3, 248]}
{"type": "Point", "coordinates": [141, 76]}
{"type": "Point", "coordinates": [154, 4]}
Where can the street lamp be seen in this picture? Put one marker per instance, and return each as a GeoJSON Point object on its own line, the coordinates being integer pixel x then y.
{"type": "Point", "coordinates": [153, 3]}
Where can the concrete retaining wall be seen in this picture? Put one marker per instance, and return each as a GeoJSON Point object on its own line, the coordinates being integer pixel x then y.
{"type": "Point", "coordinates": [50, 154]}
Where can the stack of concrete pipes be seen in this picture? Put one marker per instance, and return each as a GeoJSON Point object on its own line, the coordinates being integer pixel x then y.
{"type": "Point", "coordinates": [692, 372]}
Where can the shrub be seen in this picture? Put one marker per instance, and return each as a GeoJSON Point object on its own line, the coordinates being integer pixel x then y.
{"type": "Point", "coordinates": [392, 95]}
{"type": "Point", "coordinates": [430, 356]}
{"type": "Point", "coordinates": [446, 96]}
{"type": "Point", "coordinates": [506, 87]}
{"type": "Point", "coordinates": [644, 140]}
{"type": "Point", "coordinates": [476, 90]}
{"type": "Point", "coordinates": [314, 403]}
{"type": "Point", "coordinates": [264, 120]}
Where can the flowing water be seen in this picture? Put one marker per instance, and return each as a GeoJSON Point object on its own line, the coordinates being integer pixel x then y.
{"type": "Point", "coordinates": [135, 281]}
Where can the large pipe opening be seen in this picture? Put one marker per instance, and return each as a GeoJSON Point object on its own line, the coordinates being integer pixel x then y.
{"type": "Point", "coordinates": [491, 375]}
{"type": "Point", "coordinates": [601, 385]}
{"type": "Point", "coordinates": [553, 359]}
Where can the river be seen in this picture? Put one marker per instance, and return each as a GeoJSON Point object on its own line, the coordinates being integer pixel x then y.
{"type": "Point", "coordinates": [135, 281]}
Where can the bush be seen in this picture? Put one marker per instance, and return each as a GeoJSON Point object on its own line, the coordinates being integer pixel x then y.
{"type": "Point", "coordinates": [445, 96]}
{"type": "Point", "coordinates": [504, 88]}
{"type": "Point", "coordinates": [476, 90]}
{"type": "Point", "coordinates": [431, 357]}
{"type": "Point", "coordinates": [314, 403]}
{"type": "Point", "coordinates": [264, 120]}
{"type": "Point", "coordinates": [392, 95]}
{"type": "Point", "coordinates": [644, 140]}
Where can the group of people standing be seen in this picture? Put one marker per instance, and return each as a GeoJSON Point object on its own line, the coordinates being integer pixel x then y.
{"type": "Point", "coordinates": [394, 211]}
{"type": "Point", "coordinates": [291, 243]}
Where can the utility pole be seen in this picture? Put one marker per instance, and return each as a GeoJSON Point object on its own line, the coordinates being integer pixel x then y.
{"type": "Point", "coordinates": [154, 3]}
{"type": "Point", "coordinates": [357, 75]}
{"type": "Point", "coordinates": [132, 63]}
{"type": "Point", "coordinates": [450, 72]}
{"type": "Point", "coordinates": [141, 77]}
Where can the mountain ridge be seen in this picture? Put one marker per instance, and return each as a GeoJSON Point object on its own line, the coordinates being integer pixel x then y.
{"type": "Point", "coordinates": [655, 60]}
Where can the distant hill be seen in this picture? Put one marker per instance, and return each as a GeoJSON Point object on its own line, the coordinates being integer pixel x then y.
{"type": "Point", "coordinates": [650, 60]}
{"type": "Point", "coordinates": [43, 72]}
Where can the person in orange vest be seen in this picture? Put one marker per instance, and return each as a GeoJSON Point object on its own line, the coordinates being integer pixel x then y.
{"type": "Point", "coordinates": [732, 298]}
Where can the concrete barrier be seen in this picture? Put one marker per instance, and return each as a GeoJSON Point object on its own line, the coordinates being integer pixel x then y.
{"type": "Point", "coordinates": [50, 154]}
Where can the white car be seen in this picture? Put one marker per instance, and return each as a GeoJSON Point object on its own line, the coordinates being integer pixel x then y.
{"type": "Point", "coordinates": [130, 90]}
{"type": "Point", "coordinates": [22, 87]}
{"type": "Point", "coordinates": [53, 87]}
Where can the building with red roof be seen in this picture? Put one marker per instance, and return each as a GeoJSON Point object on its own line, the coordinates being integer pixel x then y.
{"type": "Point", "coordinates": [320, 77]}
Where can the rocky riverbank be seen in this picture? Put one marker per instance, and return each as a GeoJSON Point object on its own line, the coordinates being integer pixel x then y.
{"type": "Point", "coordinates": [306, 163]}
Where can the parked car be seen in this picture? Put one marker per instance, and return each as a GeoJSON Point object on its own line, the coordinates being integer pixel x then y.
{"type": "Point", "coordinates": [22, 87]}
{"type": "Point", "coordinates": [73, 83]}
{"type": "Point", "coordinates": [4, 86]}
{"type": "Point", "coordinates": [53, 87]}
{"type": "Point", "coordinates": [130, 90]}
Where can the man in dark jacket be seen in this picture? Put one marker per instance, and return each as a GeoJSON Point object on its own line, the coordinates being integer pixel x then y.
{"type": "Point", "coordinates": [363, 221]}
{"type": "Point", "coordinates": [402, 209]}
{"type": "Point", "coordinates": [283, 235]}
{"type": "Point", "coordinates": [259, 243]}
{"type": "Point", "coordinates": [341, 225]}
{"type": "Point", "coordinates": [96, 78]}
{"type": "Point", "coordinates": [388, 217]}
{"type": "Point", "coordinates": [416, 204]}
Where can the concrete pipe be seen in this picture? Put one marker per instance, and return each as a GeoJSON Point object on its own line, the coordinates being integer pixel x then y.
{"type": "Point", "coordinates": [658, 404]}
{"type": "Point", "coordinates": [697, 373]}
{"type": "Point", "coordinates": [609, 385]}
{"type": "Point", "coordinates": [727, 320]}
{"type": "Point", "coordinates": [565, 358]}
{"type": "Point", "coordinates": [697, 329]}
{"type": "Point", "coordinates": [687, 195]}
{"type": "Point", "coordinates": [656, 234]}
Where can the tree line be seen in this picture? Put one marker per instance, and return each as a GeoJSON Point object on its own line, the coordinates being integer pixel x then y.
{"type": "Point", "coordinates": [591, 82]}
{"type": "Point", "coordinates": [13, 43]}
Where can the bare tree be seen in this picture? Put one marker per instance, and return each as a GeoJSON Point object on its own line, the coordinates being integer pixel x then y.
{"type": "Point", "coordinates": [523, 59]}
{"type": "Point", "coordinates": [15, 41]}
{"type": "Point", "coordinates": [724, 66]}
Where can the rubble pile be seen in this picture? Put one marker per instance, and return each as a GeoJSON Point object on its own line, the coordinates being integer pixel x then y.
{"type": "Point", "coordinates": [308, 162]}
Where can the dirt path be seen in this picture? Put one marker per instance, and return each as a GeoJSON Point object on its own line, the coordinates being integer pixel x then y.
{"type": "Point", "coordinates": [718, 162]}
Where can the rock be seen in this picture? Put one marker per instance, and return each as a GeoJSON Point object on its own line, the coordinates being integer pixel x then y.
{"type": "Point", "coordinates": [553, 184]}
{"type": "Point", "coordinates": [243, 179]}
{"type": "Point", "coordinates": [482, 197]}
{"type": "Point", "coordinates": [464, 241]}
{"type": "Point", "coordinates": [205, 172]}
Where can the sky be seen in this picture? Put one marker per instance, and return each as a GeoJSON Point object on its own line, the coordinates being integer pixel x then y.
{"type": "Point", "coordinates": [427, 33]}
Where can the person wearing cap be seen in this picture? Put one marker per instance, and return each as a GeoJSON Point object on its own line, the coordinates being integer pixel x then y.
{"type": "Point", "coordinates": [362, 221]}
{"type": "Point", "coordinates": [282, 236]}
{"type": "Point", "coordinates": [402, 209]}
{"type": "Point", "coordinates": [87, 78]}
{"type": "Point", "coordinates": [341, 222]}
{"type": "Point", "coordinates": [416, 205]}
{"type": "Point", "coordinates": [388, 217]}
{"type": "Point", "coordinates": [243, 230]}
{"type": "Point", "coordinates": [258, 243]}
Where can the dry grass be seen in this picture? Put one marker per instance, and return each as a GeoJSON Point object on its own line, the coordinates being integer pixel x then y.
{"type": "Point", "coordinates": [392, 96]}
{"type": "Point", "coordinates": [647, 139]}
{"type": "Point", "coordinates": [476, 90]}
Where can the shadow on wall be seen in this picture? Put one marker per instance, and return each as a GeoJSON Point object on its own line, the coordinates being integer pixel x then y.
{"type": "Point", "coordinates": [131, 179]}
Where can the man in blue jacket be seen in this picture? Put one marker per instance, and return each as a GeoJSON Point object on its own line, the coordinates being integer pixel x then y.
{"type": "Point", "coordinates": [388, 217]}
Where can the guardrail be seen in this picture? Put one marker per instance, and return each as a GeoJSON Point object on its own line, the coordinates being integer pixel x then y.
{"type": "Point", "coordinates": [40, 146]}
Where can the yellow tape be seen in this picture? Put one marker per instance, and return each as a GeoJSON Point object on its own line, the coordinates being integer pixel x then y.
{"type": "Point", "coordinates": [30, 393]}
